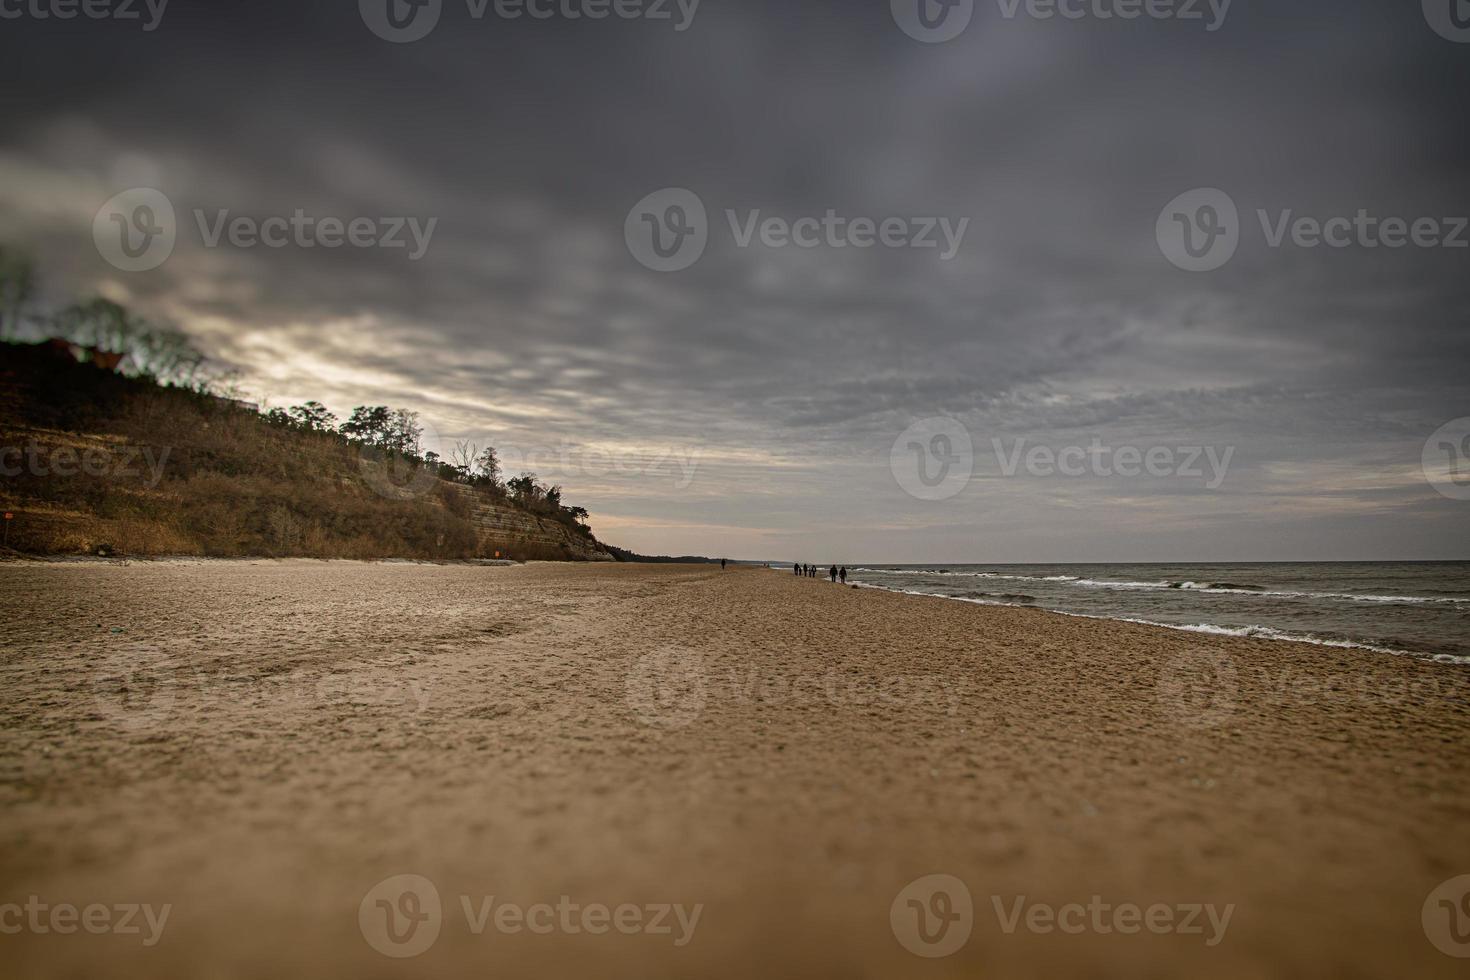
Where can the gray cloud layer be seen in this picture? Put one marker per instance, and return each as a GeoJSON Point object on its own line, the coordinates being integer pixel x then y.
{"type": "Point", "coordinates": [783, 376]}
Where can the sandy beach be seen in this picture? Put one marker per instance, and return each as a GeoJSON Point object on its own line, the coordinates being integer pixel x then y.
{"type": "Point", "coordinates": [674, 771]}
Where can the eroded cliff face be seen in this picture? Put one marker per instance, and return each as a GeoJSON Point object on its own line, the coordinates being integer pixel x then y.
{"type": "Point", "coordinates": [520, 534]}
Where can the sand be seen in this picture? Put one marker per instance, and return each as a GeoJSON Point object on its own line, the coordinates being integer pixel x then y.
{"type": "Point", "coordinates": [259, 745]}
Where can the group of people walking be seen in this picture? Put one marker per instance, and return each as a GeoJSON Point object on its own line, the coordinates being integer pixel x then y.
{"type": "Point", "coordinates": [834, 573]}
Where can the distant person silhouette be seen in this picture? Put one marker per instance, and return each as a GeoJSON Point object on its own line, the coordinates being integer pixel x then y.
{"type": "Point", "coordinates": [722, 564]}
{"type": "Point", "coordinates": [832, 574]}
{"type": "Point", "coordinates": [842, 574]}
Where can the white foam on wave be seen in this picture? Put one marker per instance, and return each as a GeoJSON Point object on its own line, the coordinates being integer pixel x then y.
{"type": "Point", "coordinates": [1094, 583]}
{"type": "Point", "coordinates": [1188, 586]}
{"type": "Point", "coordinates": [1015, 578]}
{"type": "Point", "coordinates": [1411, 599]}
{"type": "Point", "coordinates": [1249, 632]}
{"type": "Point", "coordinates": [1208, 588]}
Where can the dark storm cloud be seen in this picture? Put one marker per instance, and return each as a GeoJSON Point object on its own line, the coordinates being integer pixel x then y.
{"type": "Point", "coordinates": [790, 372]}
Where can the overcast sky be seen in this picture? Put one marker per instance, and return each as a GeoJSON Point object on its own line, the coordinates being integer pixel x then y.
{"type": "Point", "coordinates": [770, 382]}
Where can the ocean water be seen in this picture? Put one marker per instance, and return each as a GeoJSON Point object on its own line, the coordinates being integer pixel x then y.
{"type": "Point", "coordinates": [1417, 608]}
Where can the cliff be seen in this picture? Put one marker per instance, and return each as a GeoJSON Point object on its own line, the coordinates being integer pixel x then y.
{"type": "Point", "coordinates": [93, 462]}
{"type": "Point", "coordinates": [504, 530]}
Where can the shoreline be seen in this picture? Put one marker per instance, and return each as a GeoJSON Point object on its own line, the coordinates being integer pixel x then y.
{"type": "Point", "coordinates": [1252, 632]}
{"type": "Point", "coordinates": [1415, 611]}
{"type": "Point", "coordinates": [1269, 633]}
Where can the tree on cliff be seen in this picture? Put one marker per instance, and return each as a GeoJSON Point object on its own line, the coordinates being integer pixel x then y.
{"type": "Point", "coordinates": [524, 489]}
{"type": "Point", "coordinates": [313, 417]}
{"type": "Point", "coordinates": [159, 352]}
{"type": "Point", "coordinates": [404, 433]}
{"type": "Point", "coordinates": [101, 324]}
{"type": "Point", "coordinates": [368, 424]}
{"type": "Point", "coordinates": [487, 467]}
{"type": "Point", "coordinates": [17, 289]}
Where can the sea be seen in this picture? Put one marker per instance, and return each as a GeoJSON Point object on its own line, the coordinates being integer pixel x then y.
{"type": "Point", "coordinates": [1419, 609]}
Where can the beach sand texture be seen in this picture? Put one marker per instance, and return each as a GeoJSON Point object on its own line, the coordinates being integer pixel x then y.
{"type": "Point", "coordinates": [787, 753]}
